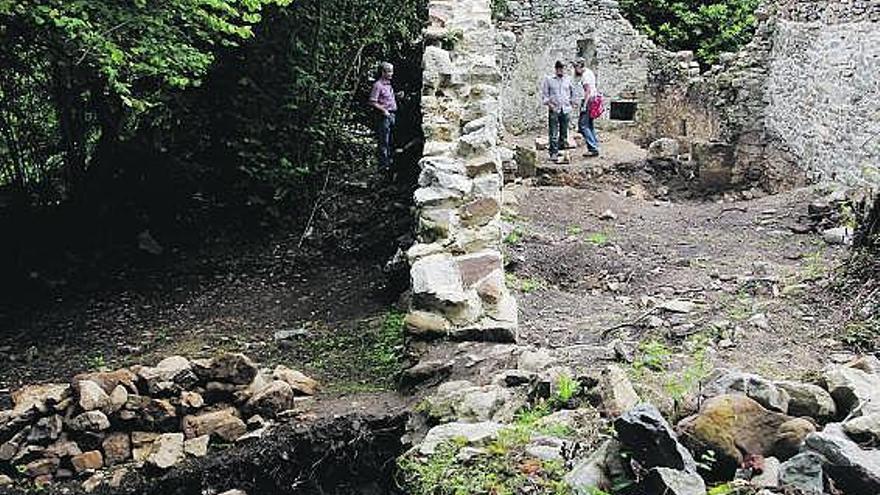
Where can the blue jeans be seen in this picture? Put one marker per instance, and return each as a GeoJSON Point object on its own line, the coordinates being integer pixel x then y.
{"type": "Point", "coordinates": [586, 128]}
{"type": "Point", "coordinates": [558, 135]}
{"type": "Point", "coordinates": [384, 126]}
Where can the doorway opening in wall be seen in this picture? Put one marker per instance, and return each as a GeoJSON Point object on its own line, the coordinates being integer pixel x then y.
{"type": "Point", "coordinates": [586, 49]}
{"type": "Point", "coordinates": [623, 110]}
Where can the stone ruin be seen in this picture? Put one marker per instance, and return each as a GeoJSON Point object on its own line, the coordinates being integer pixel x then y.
{"type": "Point", "coordinates": [102, 424]}
{"type": "Point", "coordinates": [742, 121]}
{"type": "Point", "coordinates": [457, 272]}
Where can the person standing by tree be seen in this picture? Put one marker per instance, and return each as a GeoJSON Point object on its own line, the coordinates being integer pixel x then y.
{"type": "Point", "coordinates": [382, 98]}
{"type": "Point", "coordinates": [557, 94]}
{"type": "Point", "coordinates": [585, 89]}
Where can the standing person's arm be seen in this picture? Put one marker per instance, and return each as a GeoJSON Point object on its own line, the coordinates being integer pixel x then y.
{"type": "Point", "coordinates": [545, 94]}
{"type": "Point", "coordinates": [374, 100]}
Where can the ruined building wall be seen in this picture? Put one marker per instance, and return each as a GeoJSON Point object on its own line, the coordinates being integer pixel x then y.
{"type": "Point", "coordinates": [533, 34]}
{"type": "Point", "coordinates": [800, 103]}
{"type": "Point", "coordinates": [457, 275]}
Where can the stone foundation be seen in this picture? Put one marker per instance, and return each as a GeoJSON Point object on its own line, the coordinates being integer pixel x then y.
{"type": "Point", "coordinates": [457, 271]}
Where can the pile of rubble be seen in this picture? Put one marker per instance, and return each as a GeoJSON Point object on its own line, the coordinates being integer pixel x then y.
{"type": "Point", "coordinates": [746, 433]}
{"type": "Point", "coordinates": [142, 416]}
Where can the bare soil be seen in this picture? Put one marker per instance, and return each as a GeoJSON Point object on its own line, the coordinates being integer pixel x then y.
{"type": "Point", "coordinates": [601, 240]}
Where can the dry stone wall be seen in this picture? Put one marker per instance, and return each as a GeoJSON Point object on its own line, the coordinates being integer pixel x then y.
{"type": "Point", "coordinates": [457, 273]}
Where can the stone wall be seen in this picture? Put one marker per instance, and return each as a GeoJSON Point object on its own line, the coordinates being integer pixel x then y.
{"type": "Point", "coordinates": [457, 273]}
{"type": "Point", "coordinates": [798, 104]}
{"type": "Point", "coordinates": [536, 33]}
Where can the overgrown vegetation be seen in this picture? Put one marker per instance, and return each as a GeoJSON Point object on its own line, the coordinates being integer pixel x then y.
{"type": "Point", "coordinates": [178, 116]}
{"type": "Point", "coordinates": [859, 282]}
{"type": "Point", "coordinates": [706, 27]}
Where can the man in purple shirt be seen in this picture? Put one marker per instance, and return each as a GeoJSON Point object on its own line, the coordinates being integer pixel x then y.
{"type": "Point", "coordinates": [382, 99]}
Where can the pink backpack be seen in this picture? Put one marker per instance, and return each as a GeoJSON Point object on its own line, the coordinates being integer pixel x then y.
{"type": "Point", "coordinates": [596, 106]}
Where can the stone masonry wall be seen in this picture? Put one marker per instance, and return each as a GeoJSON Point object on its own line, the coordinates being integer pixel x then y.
{"type": "Point", "coordinates": [457, 273]}
{"type": "Point", "coordinates": [535, 33]}
{"type": "Point", "coordinates": [799, 103]}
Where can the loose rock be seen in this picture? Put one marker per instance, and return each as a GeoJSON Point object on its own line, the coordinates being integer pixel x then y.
{"type": "Point", "coordinates": [223, 424]}
{"type": "Point", "coordinates": [473, 433]}
{"type": "Point", "coordinates": [802, 472]}
{"type": "Point", "coordinates": [808, 400]}
{"type": "Point", "coordinates": [167, 450]}
{"type": "Point", "coordinates": [645, 432]}
{"type": "Point", "coordinates": [674, 482]}
{"type": "Point", "coordinates": [88, 461]}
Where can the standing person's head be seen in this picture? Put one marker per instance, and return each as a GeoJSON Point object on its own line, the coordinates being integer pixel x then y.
{"type": "Point", "coordinates": [579, 66]}
{"type": "Point", "coordinates": [387, 71]}
{"type": "Point", "coordinates": [560, 68]}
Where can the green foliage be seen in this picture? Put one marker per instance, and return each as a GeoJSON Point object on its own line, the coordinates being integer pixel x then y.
{"type": "Point", "coordinates": [500, 9]}
{"type": "Point", "coordinates": [566, 388]}
{"type": "Point", "coordinates": [597, 238]}
{"type": "Point", "coordinates": [504, 469]}
{"type": "Point", "coordinates": [707, 27]}
{"type": "Point", "coordinates": [524, 285]}
{"type": "Point", "coordinates": [516, 236]}
{"type": "Point", "coordinates": [653, 355]}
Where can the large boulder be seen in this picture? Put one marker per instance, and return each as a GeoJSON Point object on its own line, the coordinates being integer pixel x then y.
{"type": "Point", "coordinates": [645, 433]}
{"type": "Point", "coordinates": [92, 396]}
{"type": "Point", "coordinates": [462, 400]}
{"type": "Point", "coordinates": [602, 470]}
{"type": "Point", "coordinates": [733, 426]}
{"type": "Point", "coordinates": [853, 469]}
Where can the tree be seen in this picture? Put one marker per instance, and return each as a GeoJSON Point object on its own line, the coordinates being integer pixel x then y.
{"type": "Point", "coordinates": [707, 27]}
{"type": "Point", "coordinates": [80, 74]}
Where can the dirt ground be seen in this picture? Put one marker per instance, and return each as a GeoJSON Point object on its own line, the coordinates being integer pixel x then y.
{"type": "Point", "coordinates": [600, 243]}
{"type": "Point", "coordinates": [332, 300]}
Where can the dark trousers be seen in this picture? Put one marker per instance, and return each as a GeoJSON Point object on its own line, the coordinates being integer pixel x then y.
{"type": "Point", "coordinates": [384, 128]}
{"type": "Point", "coordinates": [558, 127]}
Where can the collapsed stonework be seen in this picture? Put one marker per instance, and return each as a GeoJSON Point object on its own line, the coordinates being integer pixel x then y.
{"type": "Point", "coordinates": [457, 274]}
{"type": "Point", "coordinates": [103, 424]}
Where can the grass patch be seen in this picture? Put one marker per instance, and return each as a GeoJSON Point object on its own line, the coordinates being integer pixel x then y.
{"type": "Point", "coordinates": [516, 236]}
{"type": "Point", "coordinates": [501, 468]}
{"type": "Point", "coordinates": [365, 358]}
{"type": "Point", "coordinates": [597, 238]}
{"type": "Point", "coordinates": [574, 230]}
{"type": "Point", "coordinates": [524, 285]}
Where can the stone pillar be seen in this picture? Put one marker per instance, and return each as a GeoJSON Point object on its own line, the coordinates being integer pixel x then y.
{"type": "Point", "coordinates": [457, 271]}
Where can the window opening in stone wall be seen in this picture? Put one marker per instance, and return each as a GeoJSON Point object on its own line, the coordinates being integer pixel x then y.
{"type": "Point", "coordinates": [586, 50]}
{"type": "Point", "coordinates": [623, 110]}
{"type": "Point", "coordinates": [684, 127]}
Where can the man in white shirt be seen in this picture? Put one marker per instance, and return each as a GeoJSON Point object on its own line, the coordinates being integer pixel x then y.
{"type": "Point", "coordinates": [557, 94]}
{"type": "Point", "coordinates": [585, 79]}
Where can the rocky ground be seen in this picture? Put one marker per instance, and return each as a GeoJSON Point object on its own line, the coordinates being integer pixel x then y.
{"type": "Point", "coordinates": [703, 328]}
{"type": "Point", "coordinates": [670, 341]}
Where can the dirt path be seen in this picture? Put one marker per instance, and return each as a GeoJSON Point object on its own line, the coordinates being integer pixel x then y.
{"type": "Point", "coordinates": [594, 263]}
